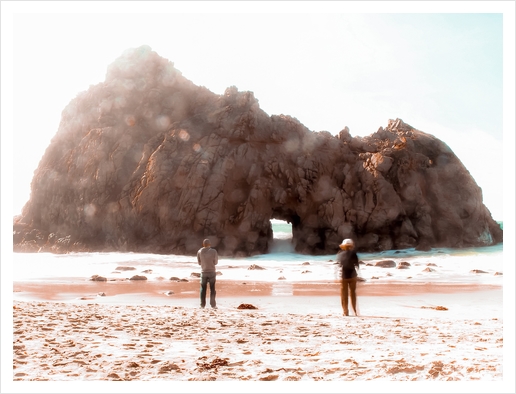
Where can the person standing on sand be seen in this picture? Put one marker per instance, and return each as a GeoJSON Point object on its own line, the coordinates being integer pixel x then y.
{"type": "Point", "coordinates": [348, 261]}
{"type": "Point", "coordinates": [208, 258]}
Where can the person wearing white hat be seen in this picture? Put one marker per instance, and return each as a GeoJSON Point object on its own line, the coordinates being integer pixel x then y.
{"type": "Point", "coordinates": [348, 261]}
{"type": "Point", "coordinates": [208, 258]}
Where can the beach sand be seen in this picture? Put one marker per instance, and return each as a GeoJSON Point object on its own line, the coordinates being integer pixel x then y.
{"type": "Point", "coordinates": [99, 332]}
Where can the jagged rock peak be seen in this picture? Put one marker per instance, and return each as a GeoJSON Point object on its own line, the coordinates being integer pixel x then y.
{"type": "Point", "coordinates": [141, 67]}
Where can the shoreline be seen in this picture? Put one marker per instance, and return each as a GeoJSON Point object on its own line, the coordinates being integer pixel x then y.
{"type": "Point", "coordinates": [166, 290]}
{"type": "Point", "coordinates": [462, 300]}
{"type": "Point", "coordinates": [59, 289]}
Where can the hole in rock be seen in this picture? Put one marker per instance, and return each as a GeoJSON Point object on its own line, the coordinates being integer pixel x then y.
{"type": "Point", "coordinates": [282, 241]}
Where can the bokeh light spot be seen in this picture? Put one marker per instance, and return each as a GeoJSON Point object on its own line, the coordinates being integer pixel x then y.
{"type": "Point", "coordinates": [184, 135]}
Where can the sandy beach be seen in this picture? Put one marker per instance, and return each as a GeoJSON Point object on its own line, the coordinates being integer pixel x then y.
{"type": "Point", "coordinates": [155, 332]}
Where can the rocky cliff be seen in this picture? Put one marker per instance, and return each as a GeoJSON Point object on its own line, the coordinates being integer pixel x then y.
{"type": "Point", "coordinates": [149, 162]}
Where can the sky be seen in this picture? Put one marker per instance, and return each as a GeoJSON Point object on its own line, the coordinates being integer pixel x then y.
{"type": "Point", "coordinates": [439, 66]}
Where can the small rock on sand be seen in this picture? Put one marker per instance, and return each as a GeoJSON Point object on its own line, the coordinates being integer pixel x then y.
{"type": "Point", "coordinates": [138, 277]}
{"type": "Point", "coordinates": [255, 267]}
{"type": "Point", "coordinates": [246, 306]}
{"type": "Point", "coordinates": [98, 278]}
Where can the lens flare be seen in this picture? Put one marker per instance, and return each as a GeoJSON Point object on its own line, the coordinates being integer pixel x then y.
{"type": "Point", "coordinates": [130, 120]}
{"type": "Point", "coordinates": [184, 135]}
{"type": "Point", "coordinates": [162, 122]}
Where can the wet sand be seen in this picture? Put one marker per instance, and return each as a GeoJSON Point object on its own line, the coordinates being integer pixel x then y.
{"type": "Point", "coordinates": [62, 291]}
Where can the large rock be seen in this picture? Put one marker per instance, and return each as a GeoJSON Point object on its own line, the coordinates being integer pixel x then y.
{"type": "Point", "coordinates": [147, 161]}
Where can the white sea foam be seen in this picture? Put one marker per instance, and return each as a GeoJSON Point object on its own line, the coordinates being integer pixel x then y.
{"type": "Point", "coordinates": [281, 264]}
{"type": "Point", "coordinates": [438, 265]}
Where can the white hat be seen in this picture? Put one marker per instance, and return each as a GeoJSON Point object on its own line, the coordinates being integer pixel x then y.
{"type": "Point", "coordinates": [346, 242]}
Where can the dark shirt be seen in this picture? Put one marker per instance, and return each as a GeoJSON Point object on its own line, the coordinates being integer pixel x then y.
{"type": "Point", "coordinates": [348, 261]}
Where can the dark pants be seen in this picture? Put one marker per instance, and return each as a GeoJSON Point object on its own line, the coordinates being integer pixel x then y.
{"type": "Point", "coordinates": [208, 277]}
{"type": "Point", "coordinates": [352, 285]}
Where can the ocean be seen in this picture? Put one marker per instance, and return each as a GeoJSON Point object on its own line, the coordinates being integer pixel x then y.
{"type": "Point", "coordinates": [482, 265]}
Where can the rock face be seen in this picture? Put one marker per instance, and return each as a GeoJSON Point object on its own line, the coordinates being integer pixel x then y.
{"type": "Point", "coordinates": [147, 161]}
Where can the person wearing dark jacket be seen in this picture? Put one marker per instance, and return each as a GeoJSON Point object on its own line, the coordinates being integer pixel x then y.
{"type": "Point", "coordinates": [208, 258]}
{"type": "Point", "coordinates": [348, 261]}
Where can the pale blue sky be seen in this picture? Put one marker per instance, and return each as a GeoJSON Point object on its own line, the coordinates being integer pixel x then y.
{"type": "Point", "coordinates": [439, 68]}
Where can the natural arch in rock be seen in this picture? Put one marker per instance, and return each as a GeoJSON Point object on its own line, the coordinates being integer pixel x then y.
{"type": "Point", "coordinates": [147, 161]}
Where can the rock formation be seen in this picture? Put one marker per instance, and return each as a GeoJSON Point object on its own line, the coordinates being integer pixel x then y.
{"type": "Point", "coordinates": [149, 162]}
